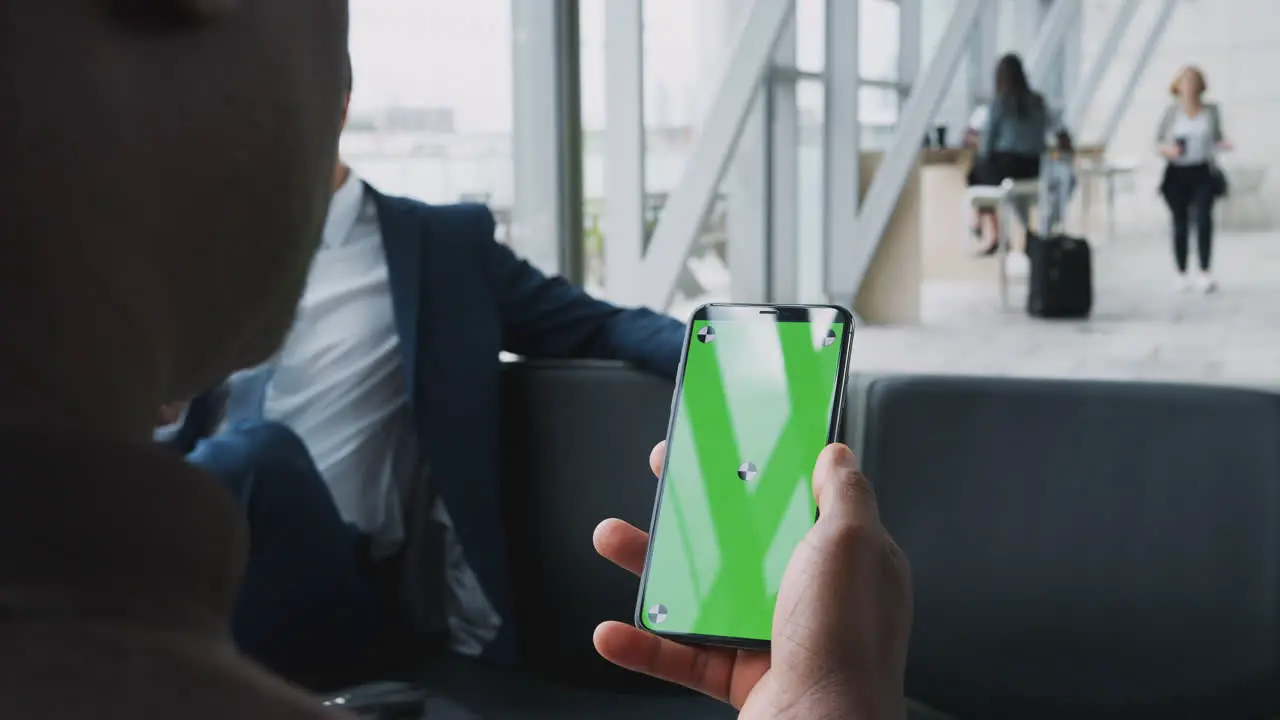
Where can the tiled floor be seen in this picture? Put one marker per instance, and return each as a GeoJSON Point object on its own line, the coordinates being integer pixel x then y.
{"type": "Point", "coordinates": [1141, 328]}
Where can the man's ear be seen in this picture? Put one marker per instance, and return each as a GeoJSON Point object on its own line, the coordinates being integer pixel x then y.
{"type": "Point", "coordinates": [158, 13]}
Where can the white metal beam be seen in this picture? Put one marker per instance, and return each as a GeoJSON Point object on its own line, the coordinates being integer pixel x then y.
{"type": "Point", "coordinates": [746, 192]}
{"type": "Point", "coordinates": [1024, 25]}
{"type": "Point", "coordinates": [910, 43]}
{"type": "Point", "coordinates": [842, 154]}
{"type": "Point", "coordinates": [986, 52]}
{"type": "Point", "coordinates": [686, 209]}
{"type": "Point", "coordinates": [624, 144]}
{"type": "Point", "coordinates": [1083, 95]}
{"type": "Point", "coordinates": [547, 149]}
{"type": "Point", "coordinates": [783, 112]}
{"type": "Point", "coordinates": [1148, 49]}
{"type": "Point", "coordinates": [762, 188]}
{"type": "Point", "coordinates": [1049, 40]}
{"type": "Point", "coordinates": [895, 168]}
{"type": "Point", "coordinates": [536, 135]}
{"type": "Point", "coordinates": [746, 188]}
{"type": "Point", "coordinates": [1069, 77]}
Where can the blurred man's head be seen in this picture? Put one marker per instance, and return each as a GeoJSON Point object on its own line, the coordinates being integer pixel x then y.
{"type": "Point", "coordinates": [166, 181]}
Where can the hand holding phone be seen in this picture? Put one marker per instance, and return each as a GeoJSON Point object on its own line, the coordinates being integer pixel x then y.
{"type": "Point", "coordinates": [840, 629]}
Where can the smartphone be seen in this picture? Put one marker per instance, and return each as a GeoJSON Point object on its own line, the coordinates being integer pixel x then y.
{"type": "Point", "coordinates": [1181, 142]}
{"type": "Point", "coordinates": [759, 394]}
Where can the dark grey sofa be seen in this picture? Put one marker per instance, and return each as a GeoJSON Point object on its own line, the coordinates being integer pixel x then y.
{"type": "Point", "coordinates": [1083, 549]}
{"type": "Point", "coordinates": [1080, 549]}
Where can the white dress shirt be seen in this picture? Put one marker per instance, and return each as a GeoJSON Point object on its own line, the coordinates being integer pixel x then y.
{"type": "Point", "coordinates": [339, 384]}
{"type": "Point", "coordinates": [1198, 135]}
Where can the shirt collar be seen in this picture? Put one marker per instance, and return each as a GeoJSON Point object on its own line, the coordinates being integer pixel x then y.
{"type": "Point", "coordinates": [344, 210]}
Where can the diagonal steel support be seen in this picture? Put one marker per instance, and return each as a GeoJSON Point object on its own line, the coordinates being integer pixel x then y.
{"type": "Point", "coordinates": [687, 207]}
{"type": "Point", "coordinates": [1149, 45]}
{"type": "Point", "coordinates": [1082, 97]}
{"type": "Point", "coordinates": [1049, 40]}
{"type": "Point", "coordinates": [882, 196]}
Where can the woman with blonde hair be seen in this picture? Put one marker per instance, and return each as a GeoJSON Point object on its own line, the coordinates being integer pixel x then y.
{"type": "Point", "coordinates": [1189, 136]}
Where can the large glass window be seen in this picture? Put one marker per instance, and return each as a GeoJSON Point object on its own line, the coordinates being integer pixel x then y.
{"type": "Point", "coordinates": [431, 104]}
{"type": "Point", "coordinates": [685, 48]}
{"type": "Point", "coordinates": [877, 38]}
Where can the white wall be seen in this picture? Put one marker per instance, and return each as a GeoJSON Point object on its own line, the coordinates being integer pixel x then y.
{"type": "Point", "coordinates": [1237, 44]}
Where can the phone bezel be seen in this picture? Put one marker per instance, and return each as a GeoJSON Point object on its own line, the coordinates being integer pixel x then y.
{"type": "Point", "coordinates": [835, 427]}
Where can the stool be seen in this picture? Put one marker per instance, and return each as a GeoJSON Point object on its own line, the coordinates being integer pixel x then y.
{"type": "Point", "coordinates": [1022, 195]}
{"type": "Point", "coordinates": [983, 197]}
{"type": "Point", "coordinates": [1019, 194]}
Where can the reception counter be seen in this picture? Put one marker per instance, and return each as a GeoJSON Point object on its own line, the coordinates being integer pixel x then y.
{"type": "Point", "coordinates": [924, 240]}
{"type": "Point", "coordinates": [890, 292]}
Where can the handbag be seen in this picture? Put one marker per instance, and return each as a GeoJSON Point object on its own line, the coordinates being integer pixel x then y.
{"type": "Point", "coordinates": [1218, 179]}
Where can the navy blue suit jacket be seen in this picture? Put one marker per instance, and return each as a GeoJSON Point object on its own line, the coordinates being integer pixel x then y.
{"type": "Point", "coordinates": [459, 298]}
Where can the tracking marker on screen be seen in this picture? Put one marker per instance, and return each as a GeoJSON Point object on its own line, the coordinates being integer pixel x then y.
{"type": "Point", "coordinates": [658, 614]}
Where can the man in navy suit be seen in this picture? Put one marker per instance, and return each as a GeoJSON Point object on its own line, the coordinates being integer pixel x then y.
{"type": "Point", "coordinates": [371, 438]}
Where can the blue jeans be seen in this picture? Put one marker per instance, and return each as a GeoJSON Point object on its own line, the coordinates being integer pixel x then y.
{"type": "Point", "coordinates": [307, 607]}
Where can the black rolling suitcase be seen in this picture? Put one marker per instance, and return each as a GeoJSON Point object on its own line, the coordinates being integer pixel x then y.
{"type": "Point", "coordinates": [1061, 275]}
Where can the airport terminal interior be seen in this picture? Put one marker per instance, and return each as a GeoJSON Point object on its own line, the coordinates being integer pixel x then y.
{"type": "Point", "coordinates": [671, 153]}
{"type": "Point", "coordinates": [1091, 502]}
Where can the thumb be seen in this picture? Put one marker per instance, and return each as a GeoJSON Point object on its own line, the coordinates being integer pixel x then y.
{"type": "Point", "coordinates": [843, 493]}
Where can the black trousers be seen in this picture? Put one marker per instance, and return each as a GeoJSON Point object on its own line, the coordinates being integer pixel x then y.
{"type": "Point", "coordinates": [308, 607]}
{"type": "Point", "coordinates": [1189, 192]}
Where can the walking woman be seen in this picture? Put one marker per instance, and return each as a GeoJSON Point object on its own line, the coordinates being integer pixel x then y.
{"type": "Point", "coordinates": [1012, 140]}
{"type": "Point", "coordinates": [1189, 135]}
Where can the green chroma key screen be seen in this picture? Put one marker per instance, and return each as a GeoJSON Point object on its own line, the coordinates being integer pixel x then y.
{"type": "Point", "coordinates": [755, 409]}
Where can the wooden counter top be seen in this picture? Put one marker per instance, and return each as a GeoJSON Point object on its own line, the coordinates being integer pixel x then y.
{"type": "Point", "coordinates": [946, 156]}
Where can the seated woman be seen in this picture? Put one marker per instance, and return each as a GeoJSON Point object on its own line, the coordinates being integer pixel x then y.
{"type": "Point", "coordinates": [1012, 139]}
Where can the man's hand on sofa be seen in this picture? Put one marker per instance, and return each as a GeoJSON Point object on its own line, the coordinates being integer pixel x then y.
{"type": "Point", "coordinates": [840, 627]}
{"type": "Point", "coordinates": [170, 413]}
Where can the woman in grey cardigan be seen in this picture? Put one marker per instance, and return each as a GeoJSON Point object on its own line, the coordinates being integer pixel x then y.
{"type": "Point", "coordinates": [1189, 135]}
